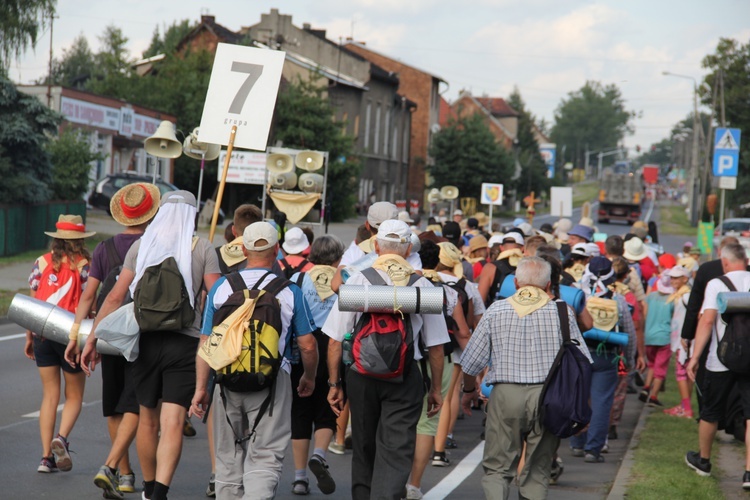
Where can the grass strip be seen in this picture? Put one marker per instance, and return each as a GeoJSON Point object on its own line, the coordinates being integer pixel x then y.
{"type": "Point", "coordinates": [6, 296]}
{"type": "Point", "coordinates": [673, 220]}
{"type": "Point", "coordinates": [585, 191]}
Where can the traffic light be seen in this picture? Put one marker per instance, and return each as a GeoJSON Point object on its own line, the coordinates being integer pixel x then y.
{"type": "Point", "coordinates": [637, 149]}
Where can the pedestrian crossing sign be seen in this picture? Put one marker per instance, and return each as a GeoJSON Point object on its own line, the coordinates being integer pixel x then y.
{"type": "Point", "coordinates": [727, 140]}
{"type": "Point", "coordinates": [726, 152]}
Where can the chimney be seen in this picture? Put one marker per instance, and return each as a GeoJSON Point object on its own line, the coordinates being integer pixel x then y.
{"type": "Point", "coordinates": [208, 19]}
{"type": "Point", "coordinates": [306, 26]}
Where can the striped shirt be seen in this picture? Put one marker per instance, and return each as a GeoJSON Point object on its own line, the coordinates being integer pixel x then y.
{"type": "Point", "coordinates": [517, 350]}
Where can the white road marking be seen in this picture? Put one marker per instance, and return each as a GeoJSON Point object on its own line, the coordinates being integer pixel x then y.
{"type": "Point", "coordinates": [35, 414]}
{"type": "Point", "coordinates": [13, 337]}
{"type": "Point", "coordinates": [458, 475]}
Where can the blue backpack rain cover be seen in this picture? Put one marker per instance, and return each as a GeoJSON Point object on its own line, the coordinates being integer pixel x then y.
{"type": "Point", "coordinates": [564, 402]}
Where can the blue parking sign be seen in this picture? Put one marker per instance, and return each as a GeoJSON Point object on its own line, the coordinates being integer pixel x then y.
{"type": "Point", "coordinates": [726, 152]}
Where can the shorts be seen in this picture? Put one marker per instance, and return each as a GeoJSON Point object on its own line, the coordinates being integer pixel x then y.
{"type": "Point", "coordinates": [313, 410]}
{"type": "Point", "coordinates": [658, 359]}
{"type": "Point", "coordinates": [680, 370]}
{"type": "Point", "coordinates": [427, 426]}
{"type": "Point", "coordinates": [716, 388]}
{"type": "Point", "coordinates": [50, 353]}
{"type": "Point", "coordinates": [118, 388]}
{"type": "Point", "coordinates": [165, 369]}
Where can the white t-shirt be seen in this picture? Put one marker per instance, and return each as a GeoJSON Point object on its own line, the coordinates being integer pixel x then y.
{"type": "Point", "coordinates": [472, 291]}
{"type": "Point", "coordinates": [430, 327]}
{"type": "Point", "coordinates": [741, 281]}
{"type": "Point", "coordinates": [354, 253]}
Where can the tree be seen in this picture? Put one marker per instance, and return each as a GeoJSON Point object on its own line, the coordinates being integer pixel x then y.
{"type": "Point", "coordinates": [304, 119]}
{"type": "Point", "coordinates": [25, 128]}
{"type": "Point", "coordinates": [466, 155]}
{"type": "Point", "coordinates": [593, 117]}
{"type": "Point", "coordinates": [167, 44]}
{"type": "Point", "coordinates": [113, 73]}
{"type": "Point", "coordinates": [76, 66]}
{"type": "Point", "coordinates": [732, 60]}
{"type": "Point", "coordinates": [20, 21]}
{"type": "Point", "coordinates": [71, 156]}
{"type": "Point", "coordinates": [533, 170]}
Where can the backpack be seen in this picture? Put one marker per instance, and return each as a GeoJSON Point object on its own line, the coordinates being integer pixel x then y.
{"type": "Point", "coordinates": [61, 288]}
{"type": "Point", "coordinates": [502, 269]}
{"type": "Point", "coordinates": [463, 301]}
{"type": "Point", "coordinates": [383, 343]}
{"type": "Point", "coordinates": [224, 268]}
{"type": "Point", "coordinates": [733, 350]}
{"type": "Point", "coordinates": [290, 270]}
{"type": "Point", "coordinates": [161, 300]}
{"type": "Point", "coordinates": [114, 264]}
{"type": "Point", "coordinates": [564, 407]}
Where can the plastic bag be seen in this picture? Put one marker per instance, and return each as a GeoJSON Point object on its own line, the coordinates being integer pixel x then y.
{"type": "Point", "coordinates": [120, 330]}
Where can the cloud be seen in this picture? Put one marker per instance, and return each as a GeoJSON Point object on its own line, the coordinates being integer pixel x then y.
{"type": "Point", "coordinates": [363, 30]}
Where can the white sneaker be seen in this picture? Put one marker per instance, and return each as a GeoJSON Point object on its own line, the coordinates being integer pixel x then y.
{"type": "Point", "coordinates": [413, 493]}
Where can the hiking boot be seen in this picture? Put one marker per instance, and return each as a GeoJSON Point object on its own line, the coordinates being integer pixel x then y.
{"type": "Point", "coordinates": [107, 481]}
{"type": "Point", "coordinates": [319, 468]}
{"type": "Point", "coordinates": [701, 466]}
{"type": "Point", "coordinates": [301, 487]}
{"type": "Point", "coordinates": [451, 443]}
{"type": "Point", "coordinates": [211, 489]}
{"type": "Point", "coordinates": [62, 456]}
{"type": "Point", "coordinates": [336, 448]}
{"type": "Point", "coordinates": [556, 471]}
{"type": "Point", "coordinates": [440, 460]}
{"type": "Point", "coordinates": [655, 403]}
{"type": "Point", "coordinates": [187, 429]}
{"type": "Point", "coordinates": [746, 480]}
{"type": "Point", "coordinates": [643, 396]}
{"type": "Point", "coordinates": [47, 464]}
{"type": "Point", "coordinates": [593, 459]}
{"type": "Point", "coordinates": [127, 483]}
{"type": "Point", "coordinates": [413, 493]}
{"type": "Point", "coordinates": [577, 452]}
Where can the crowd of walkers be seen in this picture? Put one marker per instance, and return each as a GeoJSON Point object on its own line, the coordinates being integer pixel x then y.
{"type": "Point", "coordinates": [508, 292]}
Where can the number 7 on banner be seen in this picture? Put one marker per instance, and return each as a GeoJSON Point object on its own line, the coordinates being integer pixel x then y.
{"type": "Point", "coordinates": [242, 92]}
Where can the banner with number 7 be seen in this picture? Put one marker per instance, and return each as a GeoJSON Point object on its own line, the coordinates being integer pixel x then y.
{"type": "Point", "coordinates": [242, 91]}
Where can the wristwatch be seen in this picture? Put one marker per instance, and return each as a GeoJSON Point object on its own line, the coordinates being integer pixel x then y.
{"type": "Point", "coordinates": [334, 384]}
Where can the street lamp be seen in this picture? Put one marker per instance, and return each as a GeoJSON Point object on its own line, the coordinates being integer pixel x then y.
{"type": "Point", "coordinates": [694, 159]}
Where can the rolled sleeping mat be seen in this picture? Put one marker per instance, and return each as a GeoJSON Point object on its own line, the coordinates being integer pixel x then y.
{"type": "Point", "coordinates": [51, 322]}
{"type": "Point", "coordinates": [572, 296]}
{"type": "Point", "coordinates": [389, 299]}
{"type": "Point", "coordinates": [617, 338]}
{"type": "Point", "coordinates": [733, 302]}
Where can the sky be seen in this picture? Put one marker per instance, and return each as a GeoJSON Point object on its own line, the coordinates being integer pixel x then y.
{"type": "Point", "coordinates": [547, 48]}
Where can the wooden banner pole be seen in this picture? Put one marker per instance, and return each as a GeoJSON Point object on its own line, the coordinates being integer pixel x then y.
{"type": "Point", "coordinates": [223, 182]}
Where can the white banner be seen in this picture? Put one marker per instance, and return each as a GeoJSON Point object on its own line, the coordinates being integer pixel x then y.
{"type": "Point", "coordinates": [561, 204]}
{"type": "Point", "coordinates": [245, 167]}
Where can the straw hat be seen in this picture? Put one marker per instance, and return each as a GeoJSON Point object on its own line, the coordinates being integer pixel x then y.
{"type": "Point", "coordinates": [135, 204]}
{"type": "Point", "coordinates": [70, 227]}
{"type": "Point", "coordinates": [635, 250]}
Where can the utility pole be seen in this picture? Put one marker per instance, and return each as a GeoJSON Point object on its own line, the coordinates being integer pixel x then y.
{"type": "Point", "coordinates": [49, 70]}
{"type": "Point", "coordinates": [723, 125]}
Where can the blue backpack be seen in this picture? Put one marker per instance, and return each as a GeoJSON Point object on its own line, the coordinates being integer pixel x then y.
{"type": "Point", "coordinates": [564, 402]}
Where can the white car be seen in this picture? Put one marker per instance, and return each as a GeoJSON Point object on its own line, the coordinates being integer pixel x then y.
{"type": "Point", "coordinates": [739, 228]}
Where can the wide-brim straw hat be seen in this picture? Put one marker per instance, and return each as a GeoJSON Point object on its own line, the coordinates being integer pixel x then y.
{"type": "Point", "coordinates": [135, 203]}
{"type": "Point", "coordinates": [70, 227]}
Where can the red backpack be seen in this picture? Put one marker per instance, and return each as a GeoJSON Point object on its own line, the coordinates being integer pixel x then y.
{"type": "Point", "coordinates": [383, 343]}
{"type": "Point", "coordinates": [61, 288]}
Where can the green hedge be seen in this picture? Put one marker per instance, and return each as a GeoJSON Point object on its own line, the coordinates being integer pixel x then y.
{"type": "Point", "coordinates": [22, 226]}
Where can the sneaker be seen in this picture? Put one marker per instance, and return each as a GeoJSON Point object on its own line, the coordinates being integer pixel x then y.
{"type": "Point", "coordinates": [655, 403]}
{"type": "Point", "coordinates": [62, 456]}
{"type": "Point", "coordinates": [557, 470]}
{"type": "Point", "coordinates": [701, 466]}
{"type": "Point", "coordinates": [301, 487]}
{"type": "Point", "coordinates": [451, 443]}
{"type": "Point", "coordinates": [746, 480]}
{"type": "Point", "coordinates": [632, 390]}
{"type": "Point", "coordinates": [593, 459]}
{"type": "Point", "coordinates": [187, 429]}
{"type": "Point", "coordinates": [413, 493]}
{"type": "Point", "coordinates": [211, 489]}
{"type": "Point", "coordinates": [319, 468]}
{"type": "Point", "coordinates": [127, 483]}
{"type": "Point", "coordinates": [440, 460]}
{"type": "Point", "coordinates": [577, 452]}
{"type": "Point", "coordinates": [605, 448]}
{"type": "Point", "coordinates": [643, 396]}
{"type": "Point", "coordinates": [107, 481]}
{"type": "Point", "coordinates": [336, 448]}
{"type": "Point", "coordinates": [47, 464]}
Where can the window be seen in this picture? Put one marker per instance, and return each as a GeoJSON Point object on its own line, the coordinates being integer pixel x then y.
{"type": "Point", "coordinates": [394, 152]}
{"type": "Point", "coordinates": [376, 145]}
{"type": "Point", "coordinates": [367, 124]}
{"type": "Point", "coordinates": [387, 130]}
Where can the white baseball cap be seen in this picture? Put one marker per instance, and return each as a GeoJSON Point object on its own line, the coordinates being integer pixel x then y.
{"type": "Point", "coordinates": [580, 249]}
{"type": "Point", "coordinates": [381, 211]}
{"type": "Point", "coordinates": [295, 241]}
{"type": "Point", "coordinates": [257, 233]}
{"type": "Point", "coordinates": [394, 230]}
{"type": "Point", "coordinates": [404, 216]}
{"type": "Point", "coordinates": [512, 235]}
{"type": "Point", "coordinates": [678, 272]}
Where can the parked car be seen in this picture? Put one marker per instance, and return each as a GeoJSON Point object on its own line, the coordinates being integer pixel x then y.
{"type": "Point", "coordinates": [107, 186]}
{"type": "Point", "coordinates": [739, 228]}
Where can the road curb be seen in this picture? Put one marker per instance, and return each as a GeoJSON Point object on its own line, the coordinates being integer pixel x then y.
{"type": "Point", "coordinates": [619, 487]}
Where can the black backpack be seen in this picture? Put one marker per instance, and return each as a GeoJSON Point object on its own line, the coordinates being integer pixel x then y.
{"type": "Point", "coordinates": [564, 407]}
{"type": "Point", "coordinates": [114, 264]}
{"type": "Point", "coordinates": [502, 269]}
{"type": "Point", "coordinates": [161, 300]}
{"type": "Point", "coordinates": [225, 269]}
{"type": "Point", "coordinates": [733, 350]}
{"type": "Point", "coordinates": [290, 270]}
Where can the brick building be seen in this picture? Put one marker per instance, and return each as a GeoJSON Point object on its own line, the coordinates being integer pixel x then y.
{"type": "Point", "coordinates": [501, 119]}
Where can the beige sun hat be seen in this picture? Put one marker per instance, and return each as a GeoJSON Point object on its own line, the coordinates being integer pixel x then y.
{"type": "Point", "coordinates": [135, 203]}
{"type": "Point", "coordinates": [635, 250]}
{"type": "Point", "coordinates": [70, 227]}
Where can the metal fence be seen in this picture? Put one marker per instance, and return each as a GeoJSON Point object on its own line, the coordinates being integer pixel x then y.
{"type": "Point", "coordinates": [22, 226]}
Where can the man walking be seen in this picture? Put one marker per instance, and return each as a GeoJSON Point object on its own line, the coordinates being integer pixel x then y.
{"type": "Point", "coordinates": [521, 335]}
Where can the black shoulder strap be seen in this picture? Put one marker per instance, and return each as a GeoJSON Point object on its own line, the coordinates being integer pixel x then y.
{"type": "Point", "coordinates": [284, 262]}
{"type": "Point", "coordinates": [275, 285]}
{"type": "Point", "coordinates": [300, 279]}
{"type": "Point", "coordinates": [222, 265]}
{"type": "Point", "coordinates": [301, 265]}
{"type": "Point", "coordinates": [236, 282]}
{"type": "Point", "coordinates": [562, 309]}
{"type": "Point", "coordinates": [113, 258]}
{"type": "Point", "coordinates": [728, 283]}
{"type": "Point", "coordinates": [373, 276]}
{"type": "Point", "coordinates": [257, 284]}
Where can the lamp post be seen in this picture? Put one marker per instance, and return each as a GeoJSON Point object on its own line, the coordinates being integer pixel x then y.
{"type": "Point", "coordinates": [693, 178]}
